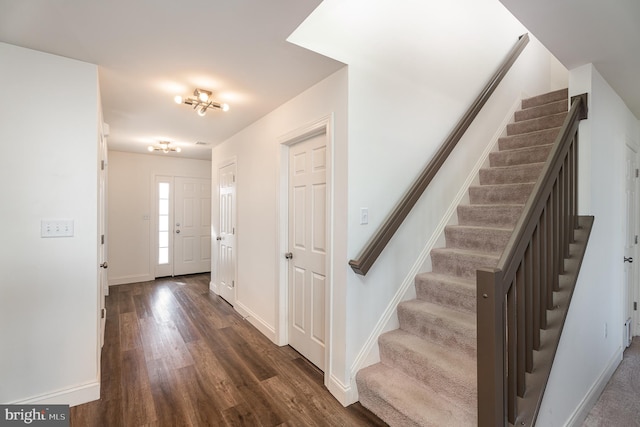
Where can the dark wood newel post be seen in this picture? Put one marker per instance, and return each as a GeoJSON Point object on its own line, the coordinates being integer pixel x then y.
{"type": "Point", "coordinates": [490, 348]}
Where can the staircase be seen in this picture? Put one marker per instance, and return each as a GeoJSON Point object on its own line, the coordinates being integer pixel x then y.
{"type": "Point", "coordinates": [427, 372]}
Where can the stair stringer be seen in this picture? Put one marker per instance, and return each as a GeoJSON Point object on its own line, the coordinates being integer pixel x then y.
{"type": "Point", "coordinates": [369, 353]}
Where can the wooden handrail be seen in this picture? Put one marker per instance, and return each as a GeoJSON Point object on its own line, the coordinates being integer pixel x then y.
{"type": "Point", "coordinates": [385, 232]}
{"type": "Point", "coordinates": [531, 288]}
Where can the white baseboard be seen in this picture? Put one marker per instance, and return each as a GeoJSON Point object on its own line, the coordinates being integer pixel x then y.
{"type": "Point", "coordinates": [124, 280]}
{"type": "Point", "coordinates": [368, 354]}
{"type": "Point", "coordinates": [345, 394]}
{"type": "Point", "coordinates": [213, 287]}
{"type": "Point", "coordinates": [71, 396]}
{"type": "Point", "coordinates": [266, 329]}
{"type": "Point", "coordinates": [589, 401]}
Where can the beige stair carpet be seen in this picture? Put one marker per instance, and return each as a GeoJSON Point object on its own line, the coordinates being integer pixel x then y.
{"type": "Point", "coordinates": [427, 372]}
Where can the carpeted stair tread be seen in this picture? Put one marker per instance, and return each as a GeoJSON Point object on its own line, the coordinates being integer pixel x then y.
{"type": "Point", "coordinates": [541, 137]}
{"type": "Point", "coordinates": [461, 262]}
{"type": "Point", "coordinates": [541, 110]}
{"type": "Point", "coordinates": [490, 215]}
{"type": "Point", "coordinates": [517, 174]}
{"type": "Point", "coordinates": [486, 239]}
{"type": "Point", "coordinates": [533, 125]}
{"type": "Point", "coordinates": [510, 194]}
{"type": "Point", "coordinates": [447, 327]}
{"type": "Point", "coordinates": [520, 156]}
{"type": "Point", "coordinates": [451, 373]}
{"type": "Point", "coordinates": [545, 98]}
{"type": "Point", "coordinates": [401, 401]}
{"type": "Point", "coordinates": [457, 293]}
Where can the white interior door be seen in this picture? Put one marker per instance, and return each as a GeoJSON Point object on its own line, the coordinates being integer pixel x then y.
{"type": "Point", "coordinates": [192, 226]}
{"type": "Point", "coordinates": [102, 230]}
{"type": "Point", "coordinates": [226, 238]}
{"type": "Point", "coordinates": [307, 245]}
{"type": "Point", "coordinates": [631, 242]}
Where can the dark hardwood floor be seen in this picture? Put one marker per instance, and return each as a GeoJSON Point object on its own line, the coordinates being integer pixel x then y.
{"type": "Point", "coordinates": [177, 355]}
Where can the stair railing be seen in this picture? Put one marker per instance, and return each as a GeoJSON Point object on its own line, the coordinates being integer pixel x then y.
{"type": "Point", "coordinates": [374, 247]}
{"type": "Point", "coordinates": [522, 303]}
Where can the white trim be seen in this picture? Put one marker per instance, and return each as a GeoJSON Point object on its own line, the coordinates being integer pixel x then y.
{"type": "Point", "coordinates": [72, 396]}
{"type": "Point", "coordinates": [256, 321]}
{"type": "Point", "coordinates": [368, 354]}
{"type": "Point", "coordinates": [591, 398]}
{"type": "Point", "coordinates": [123, 280]}
{"type": "Point", "coordinates": [320, 126]}
{"type": "Point", "coordinates": [345, 394]}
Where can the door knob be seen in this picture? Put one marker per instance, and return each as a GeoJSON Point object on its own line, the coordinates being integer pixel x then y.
{"type": "Point", "coordinates": [288, 255]}
{"type": "Point", "coordinates": [629, 260]}
{"type": "Point", "coordinates": [177, 231]}
{"type": "Point", "coordinates": [104, 265]}
{"type": "Point", "coordinates": [219, 238]}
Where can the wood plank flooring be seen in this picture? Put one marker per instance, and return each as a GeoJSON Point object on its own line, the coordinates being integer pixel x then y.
{"type": "Point", "coordinates": [177, 355]}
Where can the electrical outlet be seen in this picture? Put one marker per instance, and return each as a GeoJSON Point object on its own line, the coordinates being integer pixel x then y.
{"type": "Point", "coordinates": [56, 228]}
{"type": "Point", "coordinates": [364, 216]}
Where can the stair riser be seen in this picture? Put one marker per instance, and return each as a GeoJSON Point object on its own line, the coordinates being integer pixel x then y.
{"type": "Point", "coordinates": [558, 95]}
{"type": "Point", "coordinates": [460, 265]}
{"type": "Point", "coordinates": [488, 240]}
{"type": "Point", "coordinates": [489, 216]}
{"type": "Point", "coordinates": [541, 111]}
{"type": "Point", "coordinates": [536, 124]}
{"type": "Point", "coordinates": [526, 140]}
{"type": "Point", "coordinates": [431, 327]}
{"type": "Point", "coordinates": [492, 195]}
{"type": "Point", "coordinates": [421, 368]}
{"type": "Point", "coordinates": [522, 156]}
{"type": "Point", "coordinates": [446, 294]}
{"type": "Point", "coordinates": [511, 175]}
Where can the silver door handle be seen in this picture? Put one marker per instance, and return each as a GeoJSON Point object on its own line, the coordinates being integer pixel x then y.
{"type": "Point", "coordinates": [177, 231]}
{"type": "Point", "coordinates": [104, 265]}
{"type": "Point", "coordinates": [219, 238]}
{"type": "Point", "coordinates": [288, 255]}
{"type": "Point", "coordinates": [629, 260]}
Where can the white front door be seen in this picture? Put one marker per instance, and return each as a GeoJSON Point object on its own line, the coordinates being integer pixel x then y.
{"type": "Point", "coordinates": [631, 241]}
{"type": "Point", "coordinates": [307, 245]}
{"type": "Point", "coordinates": [227, 233]}
{"type": "Point", "coordinates": [192, 226]}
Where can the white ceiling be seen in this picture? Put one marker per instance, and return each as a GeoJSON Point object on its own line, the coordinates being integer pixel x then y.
{"type": "Point", "coordinates": [578, 32]}
{"type": "Point", "coordinates": [150, 50]}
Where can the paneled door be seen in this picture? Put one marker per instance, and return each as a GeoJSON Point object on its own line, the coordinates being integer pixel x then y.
{"type": "Point", "coordinates": [192, 226]}
{"type": "Point", "coordinates": [307, 245]}
{"type": "Point", "coordinates": [630, 247]}
{"type": "Point", "coordinates": [226, 238]}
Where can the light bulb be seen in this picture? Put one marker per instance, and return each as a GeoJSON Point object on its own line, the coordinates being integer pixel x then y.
{"type": "Point", "coordinates": [178, 99]}
{"type": "Point", "coordinates": [225, 107]}
{"type": "Point", "coordinates": [203, 96]}
{"type": "Point", "coordinates": [178, 149]}
{"type": "Point", "coordinates": [150, 148]}
{"type": "Point", "coordinates": [202, 111]}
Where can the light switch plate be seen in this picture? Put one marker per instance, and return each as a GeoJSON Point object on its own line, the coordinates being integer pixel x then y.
{"type": "Point", "coordinates": [56, 228]}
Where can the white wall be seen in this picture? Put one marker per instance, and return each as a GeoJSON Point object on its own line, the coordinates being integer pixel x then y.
{"type": "Point", "coordinates": [257, 150]}
{"type": "Point", "coordinates": [586, 358]}
{"type": "Point", "coordinates": [414, 68]}
{"type": "Point", "coordinates": [131, 186]}
{"type": "Point", "coordinates": [49, 117]}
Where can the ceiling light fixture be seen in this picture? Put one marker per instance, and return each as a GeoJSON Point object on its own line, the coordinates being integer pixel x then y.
{"type": "Point", "coordinates": [163, 146]}
{"type": "Point", "coordinates": [201, 101]}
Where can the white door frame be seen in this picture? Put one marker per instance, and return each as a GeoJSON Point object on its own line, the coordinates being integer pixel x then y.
{"type": "Point", "coordinates": [318, 127]}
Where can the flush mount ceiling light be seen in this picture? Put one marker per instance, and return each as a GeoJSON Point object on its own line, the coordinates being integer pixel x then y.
{"type": "Point", "coordinates": [201, 102]}
{"type": "Point", "coordinates": [164, 146]}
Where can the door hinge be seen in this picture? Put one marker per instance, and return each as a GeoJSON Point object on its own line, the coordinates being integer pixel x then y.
{"type": "Point", "coordinates": [102, 239]}
{"type": "Point", "coordinates": [233, 177]}
{"type": "Point", "coordinates": [636, 239]}
{"type": "Point", "coordinates": [636, 173]}
{"type": "Point", "coordinates": [103, 313]}
{"type": "Point", "coordinates": [635, 306]}
{"type": "Point", "coordinates": [233, 283]}
{"type": "Point", "coordinates": [233, 230]}
{"type": "Point", "coordinates": [102, 165]}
